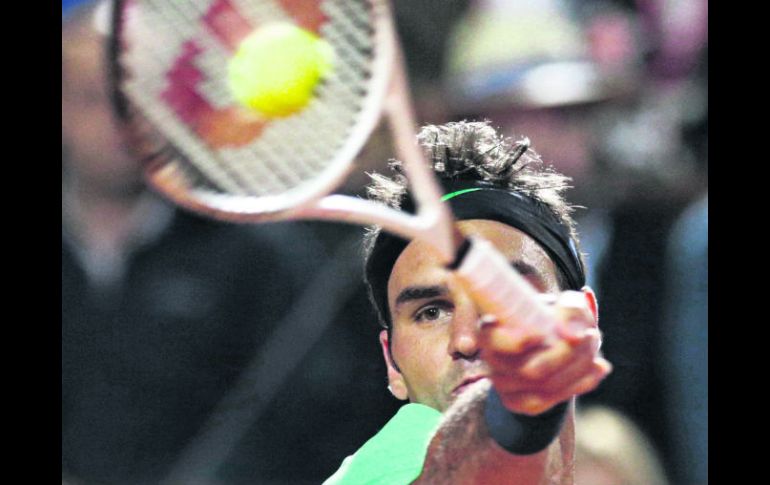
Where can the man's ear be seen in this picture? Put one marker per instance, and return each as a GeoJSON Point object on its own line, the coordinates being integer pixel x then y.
{"type": "Point", "coordinates": [396, 382]}
{"type": "Point", "coordinates": [593, 305]}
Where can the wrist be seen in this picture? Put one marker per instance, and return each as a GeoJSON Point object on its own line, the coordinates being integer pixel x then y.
{"type": "Point", "coordinates": [518, 433]}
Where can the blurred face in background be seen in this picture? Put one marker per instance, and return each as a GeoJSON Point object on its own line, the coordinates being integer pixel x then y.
{"type": "Point", "coordinates": [91, 143]}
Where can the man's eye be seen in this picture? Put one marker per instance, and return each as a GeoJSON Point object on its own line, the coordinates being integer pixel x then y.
{"type": "Point", "coordinates": [431, 313]}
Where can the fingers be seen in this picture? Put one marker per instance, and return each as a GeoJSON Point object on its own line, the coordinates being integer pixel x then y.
{"type": "Point", "coordinates": [554, 370]}
{"type": "Point", "coordinates": [508, 340]}
{"type": "Point", "coordinates": [574, 315]}
{"type": "Point", "coordinates": [571, 310]}
{"type": "Point", "coordinates": [560, 357]}
{"type": "Point", "coordinates": [532, 375]}
{"type": "Point", "coordinates": [508, 347]}
{"type": "Point", "coordinates": [536, 402]}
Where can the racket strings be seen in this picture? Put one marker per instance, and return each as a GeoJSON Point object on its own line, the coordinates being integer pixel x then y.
{"type": "Point", "coordinates": [155, 33]}
{"type": "Point", "coordinates": [288, 153]}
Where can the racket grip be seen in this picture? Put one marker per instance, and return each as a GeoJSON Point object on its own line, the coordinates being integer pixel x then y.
{"type": "Point", "coordinates": [500, 290]}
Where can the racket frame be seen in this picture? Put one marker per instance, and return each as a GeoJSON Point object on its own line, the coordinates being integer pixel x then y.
{"type": "Point", "coordinates": [493, 284]}
{"type": "Point", "coordinates": [388, 95]}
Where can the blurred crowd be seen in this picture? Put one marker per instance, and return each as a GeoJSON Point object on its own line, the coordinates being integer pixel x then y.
{"type": "Point", "coordinates": [248, 354]}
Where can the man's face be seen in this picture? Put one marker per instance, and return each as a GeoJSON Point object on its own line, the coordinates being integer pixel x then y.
{"type": "Point", "coordinates": [97, 151]}
{"type": "Point", "coordinates": [434, 341]}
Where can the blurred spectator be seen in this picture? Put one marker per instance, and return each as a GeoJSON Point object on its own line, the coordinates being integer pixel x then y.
{"type": "Point", "coordinates": [685, 344]}
{"type": "Point", "coordinates": [661, 149]}
{"type": "Point", "coordinates": [611, 450]}
{"type": "Point", "coordinates": [162, 310]}
{"type": "Point", "coordinates": [506, 55]}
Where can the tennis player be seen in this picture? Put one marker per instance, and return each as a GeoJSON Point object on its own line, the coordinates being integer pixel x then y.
{"type": "Point", "coordinates": [487, 402]}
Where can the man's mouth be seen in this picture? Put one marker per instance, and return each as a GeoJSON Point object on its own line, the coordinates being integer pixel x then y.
{"type": "Point", "coordinates": [466, 383]}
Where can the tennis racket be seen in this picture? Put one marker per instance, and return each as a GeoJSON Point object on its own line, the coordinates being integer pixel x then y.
{"type": "Point", "coordinates": [206, 152]}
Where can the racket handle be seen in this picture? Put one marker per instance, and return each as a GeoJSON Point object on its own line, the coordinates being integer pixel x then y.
{"type": "Point", "coordinates": [500, 290]}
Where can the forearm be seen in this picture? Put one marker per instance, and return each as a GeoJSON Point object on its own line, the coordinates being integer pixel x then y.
{"type": "Point", "coordinates": [462, 450]}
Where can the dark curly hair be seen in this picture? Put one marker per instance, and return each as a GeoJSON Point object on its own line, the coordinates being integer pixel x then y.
{"type": "Point", "coordinates": [474, 152]}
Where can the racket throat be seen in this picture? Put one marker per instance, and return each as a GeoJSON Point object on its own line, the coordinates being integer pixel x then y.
{"type": "Point", "coordinates": [499, 290]}
{"type": "Point", "coordinates": [433, 224]}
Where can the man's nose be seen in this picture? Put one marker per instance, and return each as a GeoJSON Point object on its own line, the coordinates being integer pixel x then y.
{"type": "Point", "coordinates": [464, 338]}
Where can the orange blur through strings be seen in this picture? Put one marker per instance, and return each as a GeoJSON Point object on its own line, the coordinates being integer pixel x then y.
{"type": "Point", "coordinates": [233, 126]}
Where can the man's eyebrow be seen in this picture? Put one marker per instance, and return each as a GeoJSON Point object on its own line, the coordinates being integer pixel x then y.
{"type": "Point", "coordinates": [526, 269]}
{"type": "Point", "coordinates": [411, 293]}
{"type": "Point", "coordinates": [420, 292]}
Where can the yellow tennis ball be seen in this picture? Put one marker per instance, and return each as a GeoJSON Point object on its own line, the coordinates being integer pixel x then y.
{"type": "Point", "coordinates": [276, 68]}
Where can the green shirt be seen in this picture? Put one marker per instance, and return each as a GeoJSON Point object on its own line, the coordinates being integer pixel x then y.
{"type": "Point", "coordinates": [395, 455]}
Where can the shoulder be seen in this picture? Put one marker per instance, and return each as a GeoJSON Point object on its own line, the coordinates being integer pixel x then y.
{"type": "Point", "coordinates": [395, 454]}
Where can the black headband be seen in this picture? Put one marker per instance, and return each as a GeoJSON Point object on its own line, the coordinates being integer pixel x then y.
{"type": "Point", "coordinates": [477, 200]}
